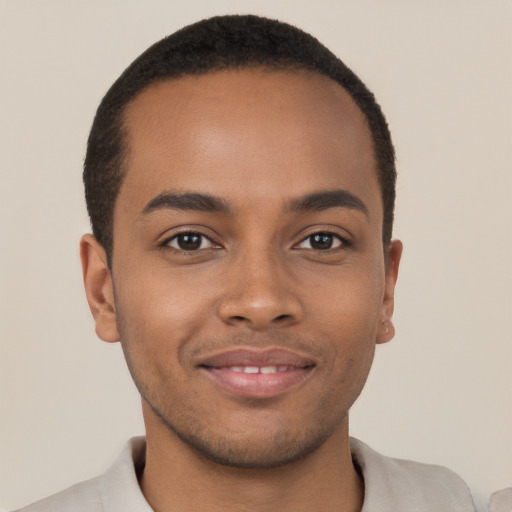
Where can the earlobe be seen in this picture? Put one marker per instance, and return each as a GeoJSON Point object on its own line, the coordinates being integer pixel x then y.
{"type": "Point", "coordinates": [386, 330]}
{"type": "Point", "coordinates": [99, 288]}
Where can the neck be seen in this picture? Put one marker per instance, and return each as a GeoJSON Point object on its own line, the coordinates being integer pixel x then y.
{"type": "Point", "coordinates": [176, 477]}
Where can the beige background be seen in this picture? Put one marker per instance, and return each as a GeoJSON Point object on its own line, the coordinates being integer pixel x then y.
{"type": "Point", "coordinates": [442, 70]}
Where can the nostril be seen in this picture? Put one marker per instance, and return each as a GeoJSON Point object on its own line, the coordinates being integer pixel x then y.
{"type": "Point", "coordinates": [241, 318]}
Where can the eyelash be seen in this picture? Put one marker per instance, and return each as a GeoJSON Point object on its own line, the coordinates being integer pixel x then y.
{"type": "Point", "coordinates": [343, 242]}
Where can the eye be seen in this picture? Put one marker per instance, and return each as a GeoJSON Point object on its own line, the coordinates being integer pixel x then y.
{"type": "Point", "coordinates": [190, 241]}
{"type": "Point", "coordinates": [322, 241]}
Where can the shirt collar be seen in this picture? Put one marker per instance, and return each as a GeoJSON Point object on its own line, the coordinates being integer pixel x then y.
{"type": "Point", "coordinates": [119, 485]}
{"type": "Point", "coordinates": [391, 485]}
{"type": "Point", "coordinates": [395, 485]}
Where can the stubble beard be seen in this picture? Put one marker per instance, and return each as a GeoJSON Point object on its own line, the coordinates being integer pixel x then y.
{"type": "Point", "coordinates": [261, 450]}
{"type": "Point", "coordinates": [280, 449]}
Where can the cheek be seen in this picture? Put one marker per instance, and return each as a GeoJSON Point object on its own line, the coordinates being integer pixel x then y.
{"type": "Point", "coordinates": [348, 311]}
{"type": "Point", "coordinates": [154, 298]}
{"type": "Point", "coordinates": [156, 315]}
{"type": "Point", "coordinates": [350, 300]}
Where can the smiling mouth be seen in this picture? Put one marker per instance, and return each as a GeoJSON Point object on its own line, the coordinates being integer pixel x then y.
{"type": "Point", "coordinates": [257, 373]}
{"type": "Point", "coordinates": [261, 369]}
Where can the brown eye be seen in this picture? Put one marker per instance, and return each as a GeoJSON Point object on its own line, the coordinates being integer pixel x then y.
{"type": "Point", "coordinates": [321, 242]}
{"type": "Point", "coordinates": [190, 242]}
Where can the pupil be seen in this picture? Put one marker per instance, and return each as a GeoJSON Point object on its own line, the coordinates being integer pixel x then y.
{"type": "Point", "coordinates": [321, 241]}
{"type": "Point", "coordinates": [189, 241]}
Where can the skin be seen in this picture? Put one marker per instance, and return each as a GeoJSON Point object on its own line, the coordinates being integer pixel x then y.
{"type": "Point", "coordinates": [258, 140]}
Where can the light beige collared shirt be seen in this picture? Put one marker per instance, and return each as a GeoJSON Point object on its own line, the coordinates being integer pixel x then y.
{"type": "Point", "coordinates": [391, 485]}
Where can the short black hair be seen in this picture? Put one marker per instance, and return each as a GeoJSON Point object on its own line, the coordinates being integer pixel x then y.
{"type": "Point", "coordinates": [221, 42]}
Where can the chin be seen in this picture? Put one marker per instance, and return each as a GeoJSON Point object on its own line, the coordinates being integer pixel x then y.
{"type": "Point", "coordinates": [258, 453]}
{"type": "Point", "coordinates": [256, 447]}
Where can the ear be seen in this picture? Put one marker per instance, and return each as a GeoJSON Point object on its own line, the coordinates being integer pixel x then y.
{"type": "Point", "coordinates": [386, 329]}
{"type": "Point", "coordinates": [99, 288]}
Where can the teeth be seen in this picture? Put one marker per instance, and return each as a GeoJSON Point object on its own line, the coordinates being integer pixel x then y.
{"type": "Point", "coordinates": [257, 369]}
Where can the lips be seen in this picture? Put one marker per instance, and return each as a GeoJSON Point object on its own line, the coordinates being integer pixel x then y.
{"type": "Point", "coordinates": [253, 373]}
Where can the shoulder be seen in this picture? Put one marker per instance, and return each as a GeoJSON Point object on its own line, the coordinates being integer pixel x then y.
{"type": "Point", "coordinates": [116, 490]}
{"type": "Point", "coordinates": [501, 501]}
{"type": "Point", "coordinates": [85, 496]}
{"type": "Point", "coordinates": [397, 484]}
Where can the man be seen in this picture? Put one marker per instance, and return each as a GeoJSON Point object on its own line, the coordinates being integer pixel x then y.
{"type": "Point", "coordinates": [240, 183]}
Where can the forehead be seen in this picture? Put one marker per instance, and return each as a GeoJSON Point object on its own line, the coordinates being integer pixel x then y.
{"type": "Point", "coordinates": [263, 132]}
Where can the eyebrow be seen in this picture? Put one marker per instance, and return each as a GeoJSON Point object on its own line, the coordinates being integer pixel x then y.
{"type": "Point", "coordinates": [194, 201]}
{"type": "Point", "coordinates": [323, 200]}
{"type": "Point", "coordinates": [189, 201]}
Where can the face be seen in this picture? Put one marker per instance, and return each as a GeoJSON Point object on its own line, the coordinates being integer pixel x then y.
{"type": "Point", "coordinates": [249, 283]}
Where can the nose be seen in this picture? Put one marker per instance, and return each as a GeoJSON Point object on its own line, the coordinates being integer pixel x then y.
{"type": "Point", "coordinates": [259, 295]}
